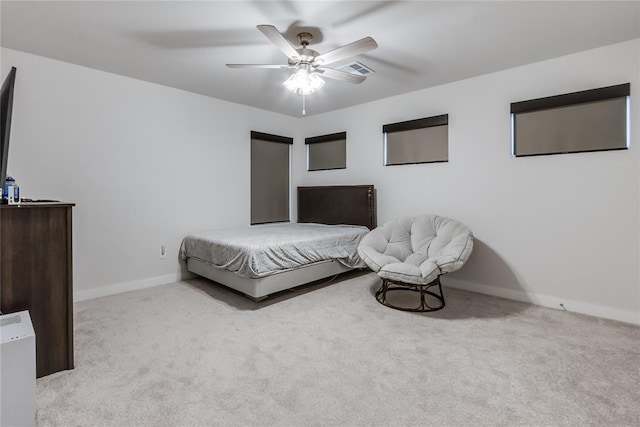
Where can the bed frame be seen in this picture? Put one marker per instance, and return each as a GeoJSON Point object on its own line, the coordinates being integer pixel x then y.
{"type": "Point", "coordinates": [340, 204]}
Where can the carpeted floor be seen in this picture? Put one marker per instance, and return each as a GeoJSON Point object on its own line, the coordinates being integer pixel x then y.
{"type": "Point", "coordinates": [193, 353]}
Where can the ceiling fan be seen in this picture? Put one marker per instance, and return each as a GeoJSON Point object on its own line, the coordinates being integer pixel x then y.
{"type": "Point", "coordinates": [309, 64]}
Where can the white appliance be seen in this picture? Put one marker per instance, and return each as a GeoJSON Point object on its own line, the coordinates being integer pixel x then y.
{"type": "Point", "coordinates": [18, 361]}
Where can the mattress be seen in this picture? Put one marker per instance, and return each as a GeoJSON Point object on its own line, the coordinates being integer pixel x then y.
{"type": "Point", "coordinates": [262, 250]}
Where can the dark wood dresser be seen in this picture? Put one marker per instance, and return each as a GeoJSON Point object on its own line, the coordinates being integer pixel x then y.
{"type": "Point", "coordinates": [36, 274]}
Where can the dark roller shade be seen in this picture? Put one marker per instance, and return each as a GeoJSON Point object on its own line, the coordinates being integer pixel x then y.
{"type": "Point", "coordinates": [424, 145]}
{"type": "Point", "coordinates": [330, 154]}
{"type": "Point", "coordinates": [269, 181]}
{"type": "Point", "coordinates": [593, 126]}
{"type": "Point", "coordinates": [423, 140]}
{"type": "Point", "coordinates": [591, 120]}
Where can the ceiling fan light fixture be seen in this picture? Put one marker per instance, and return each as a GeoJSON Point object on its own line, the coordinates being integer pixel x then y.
{"type": "Point", "coordinates": [303, 82]}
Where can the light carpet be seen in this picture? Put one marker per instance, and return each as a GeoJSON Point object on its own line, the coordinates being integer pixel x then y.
{"type": "Point", "coordinates": [194, 353]}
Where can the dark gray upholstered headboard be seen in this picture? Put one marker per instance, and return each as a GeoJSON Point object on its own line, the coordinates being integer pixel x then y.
{"type": "Point", "coordinates": [338, 204]}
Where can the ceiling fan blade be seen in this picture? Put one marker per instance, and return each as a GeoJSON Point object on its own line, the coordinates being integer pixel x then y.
{"type": "Point", "coordinates": [352, 49]}
{"type": "Point", "coordinates": [341, 75]}
{"type": "Point", "coordinates": [278, 39]}
{"type": "Point", "coordinates": [258, 66]}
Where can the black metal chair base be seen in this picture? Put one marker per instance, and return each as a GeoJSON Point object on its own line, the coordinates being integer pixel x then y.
{"type": "Point", "coordinates": [423, 290]}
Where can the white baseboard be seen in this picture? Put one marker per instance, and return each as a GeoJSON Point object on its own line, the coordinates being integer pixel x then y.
{"type": "Point", "coordinates": [513, 294]}
{"type": "Point", "coordinates": [118, 288]}
{"type": "Point", "coordinates": [547, 301]}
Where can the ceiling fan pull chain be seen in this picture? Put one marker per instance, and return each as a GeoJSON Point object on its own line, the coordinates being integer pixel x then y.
{"type": "Point", "coordinates": [304, 110]}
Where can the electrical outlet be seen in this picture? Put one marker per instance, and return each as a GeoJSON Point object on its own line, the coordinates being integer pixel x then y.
{"type": "Point", "coordinates": [163, 251]}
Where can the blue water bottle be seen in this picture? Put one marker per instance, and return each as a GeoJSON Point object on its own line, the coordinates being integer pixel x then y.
{"type": "Point", "coordinates": [5, 189]}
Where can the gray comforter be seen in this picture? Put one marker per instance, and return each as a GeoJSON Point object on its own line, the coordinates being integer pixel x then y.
{"type": "Point", "coordinates": [262, 250]}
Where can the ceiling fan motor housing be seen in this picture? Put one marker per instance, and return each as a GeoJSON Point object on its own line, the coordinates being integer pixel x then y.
{"type": "Point", "coordinates": [305, 38]}
{"type": "Point", "coordinates": [306, 55]}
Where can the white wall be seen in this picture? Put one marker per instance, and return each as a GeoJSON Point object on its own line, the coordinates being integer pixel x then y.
{"type": "Point", "coordinates": [144, 164]}
{"type": "Point", "coordinates": [147, 164]}
{"type": "Point", "coordinates": [549, 229]}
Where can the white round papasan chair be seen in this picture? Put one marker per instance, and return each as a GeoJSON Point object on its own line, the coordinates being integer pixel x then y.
{"type": "Point", "coordinates": [411, 253]}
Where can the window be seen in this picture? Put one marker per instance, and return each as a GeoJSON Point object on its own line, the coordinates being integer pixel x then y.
{"type": "Point", "coordinates": [590, 120]}
{"type": "Point", "coordinates": [269, 178]}
{"type": "Point", "coordinates": [417, 141]}
{"type": "Point", "coordinates": [327, 152]}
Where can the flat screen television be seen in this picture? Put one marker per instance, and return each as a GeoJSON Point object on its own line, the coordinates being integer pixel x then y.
{"type": "Point", "coordinates": [6, 105]}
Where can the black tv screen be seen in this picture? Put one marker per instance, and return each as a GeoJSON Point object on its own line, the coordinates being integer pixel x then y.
{"type": "Point", "coordinates": [6, 104]}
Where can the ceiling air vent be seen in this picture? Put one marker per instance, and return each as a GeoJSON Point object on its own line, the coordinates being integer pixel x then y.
{"type": "Point", "coordinates": [357, 68]}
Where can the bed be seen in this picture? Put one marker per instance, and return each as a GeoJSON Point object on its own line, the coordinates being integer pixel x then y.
{"type": "Point", "coordinates": [263, 259]}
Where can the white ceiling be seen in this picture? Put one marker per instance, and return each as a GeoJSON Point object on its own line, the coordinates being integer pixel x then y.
{"type": "Point", "coordinates": [186, 44]}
